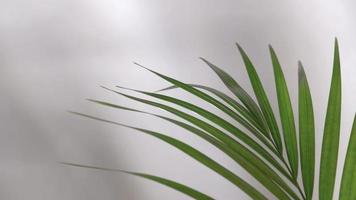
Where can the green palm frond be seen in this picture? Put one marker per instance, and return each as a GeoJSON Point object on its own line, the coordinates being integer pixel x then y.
{"type": "Point", "coordinates": [258, 148]}
{"type": "Point", "coordinates": [330, 147]}
{"type": "Point", "coordinates": [348, 183]}
{"type": "Point", "coordinates": [306, 133]}
{"type": "Point", "coordinates": [172, 184]}
{"type": "Point", "coordinates": [262, 100]}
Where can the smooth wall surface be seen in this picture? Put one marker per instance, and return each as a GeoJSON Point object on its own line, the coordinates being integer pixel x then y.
{"type": "Point", "coordinates": [55, 54]}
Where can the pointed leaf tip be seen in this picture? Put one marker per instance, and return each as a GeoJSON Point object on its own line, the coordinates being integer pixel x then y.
{"type": "Point", "coordinates": [300, 64]}
{"type": "Point", "coordinates": [121, 87]}
{"type": "Point", "coordinates": [104, 87]}
{"type": "Point", "coordinates": [301, 71]}
{"type": "Point", "coordinates": [91, 100]}
{"type": "Point", "coordinates": [126, 88]}
{"type": "Point", "coordinates": [71, 112]}
{"type": "Point", "coordinates": [143, 66]}
{"type": "Point", "coordinates": [205, 61]}
{"type": "Point", "coordinates": [270, 47]}
{"type": "Point", "coordinates": [239, 46]}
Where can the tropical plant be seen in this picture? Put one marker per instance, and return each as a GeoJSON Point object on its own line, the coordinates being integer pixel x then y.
{"type": "Point", "coordinates": [260, 149]}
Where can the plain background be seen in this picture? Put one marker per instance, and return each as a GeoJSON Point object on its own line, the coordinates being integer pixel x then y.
{"type": "Point", "coordinates": [55, 54]}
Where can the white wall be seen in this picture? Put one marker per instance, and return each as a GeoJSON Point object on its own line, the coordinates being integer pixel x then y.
{"type": "Point", "coordinates": [55, 54]}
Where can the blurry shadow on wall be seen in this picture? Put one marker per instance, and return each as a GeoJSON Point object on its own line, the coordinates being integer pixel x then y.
{"type": "Point", "coordinates": [39, 47]}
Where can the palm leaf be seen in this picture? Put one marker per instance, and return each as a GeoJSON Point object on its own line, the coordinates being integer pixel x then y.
{"type": "Point", "coordinates": [261, 155]}
{"type": "Point", "coordinates": [255, 166]}
{"type": "Point", "coordinates": [286, 114]}
{"type": "Point", "coordinates": [201, 95]}
{"type": "Point", "coordinates": [306, 134]}
{"type": "Point", "coordinates": [172, 184]}
{"type": "Point", "coordinates": [240, 93]}
{"type": "Point", "coordinates": [348, 182]}
{"type": "Point", "coordinates": [214, 131]}
{"type": "Point", "coordinates": [206, 114]}
{"type": "Point", "coordinates": [330, 146]}
{"type": "Point", "coordinates": [262, 100]}
{"type": "Point", "coordinates": [197, 155]}
{"type": "Point", "coordinates": [227, 99]}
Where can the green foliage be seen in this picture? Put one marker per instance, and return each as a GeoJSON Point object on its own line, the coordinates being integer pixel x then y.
{"type": "Point", "coordinates": [262, 154]}
{"type": "Point", "coordinates": [330, 147]}
{"type": "Point", "coordinates": [306, 133]}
